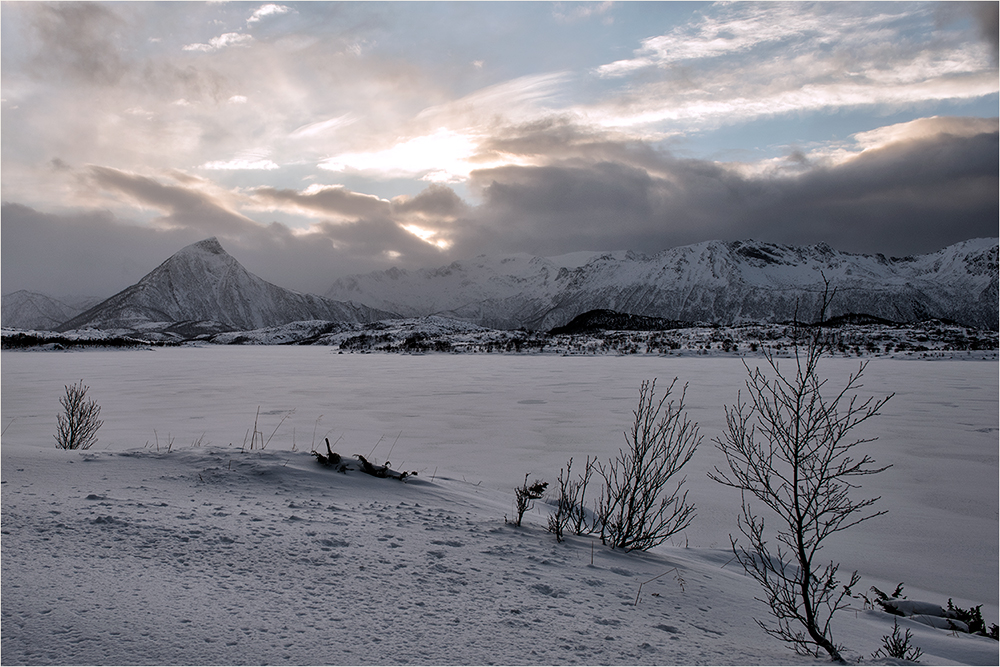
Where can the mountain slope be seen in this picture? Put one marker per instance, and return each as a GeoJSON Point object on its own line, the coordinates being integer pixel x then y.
{"type": "Point", "coordinates": [31, 310]}
{"type": "Point", "coordinates": [202, 282]}
{"type": "Point", "coordinates": [720, 282]}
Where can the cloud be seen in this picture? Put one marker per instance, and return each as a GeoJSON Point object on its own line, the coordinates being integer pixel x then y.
{"type": "Point", "coordinates": [324, 200]}
{"type": "Point", "coordinates": [80, 254]}
{"type": "Point", "coordinates": [248, 160]}
{"type": "Point", "coordinates": [742, 28]}
{"type": "Point", "coordinates": [987, 15]}
{"type": "Point", "coordinates": [240, 164]}
{"type": "Point", "coordinates": [743, 61]}
{"type": "Point", "coordinates": [183, 206]}
{"type": "Point", "coordinates": [545, 152]}
{"type": "Point", "coordinates": [915, 189]}
{"type": "Point", "coordinates": [78, 41]}
{"type": "Point", "coordinates": [441, 156]}
{"type": "Point", "coordinates": [99, 254]}
{"type": "Point", "coordinates": [570, 12]}
{"type": "Point", "coordinates": [923, 128]}
{"type": "Point", "coordinates": [906, 189]}
{"type": "Point", "coordinates": [222, 41]}
{"type": "Point", "coordinates": [322, 127]}
{"type": "Point", "coordinates": [269, 9]}
{"type": "Point", "coordinates": [437, 201]}
{"type": "Point", "coordinates": [517, 100]}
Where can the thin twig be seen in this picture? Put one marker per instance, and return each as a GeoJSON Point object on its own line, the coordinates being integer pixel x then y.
{"type": "Point", "coordinates": [393, 445]}
{"type": "Point", "coordinates": [376, 445]}
{"type": "Point", "coordinates": [673, 569]}
{"type": "Point", "coordinates": [287, 415]}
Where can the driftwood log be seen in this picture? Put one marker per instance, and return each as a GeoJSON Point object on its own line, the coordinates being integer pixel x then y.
{"type": "Point", "coordinates": [334, 460]}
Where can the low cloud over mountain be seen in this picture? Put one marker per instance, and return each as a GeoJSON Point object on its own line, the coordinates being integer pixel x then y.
{"type": "Point", "coordinates": [918, 189]}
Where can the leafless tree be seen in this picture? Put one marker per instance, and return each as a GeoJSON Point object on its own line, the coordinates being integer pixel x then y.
{"type": "Point", "coordinates": [77, 427]}
{"type": "Point", "coordinates": [789, 446]}
{"type": "Point", "coordinates": [637, 509]}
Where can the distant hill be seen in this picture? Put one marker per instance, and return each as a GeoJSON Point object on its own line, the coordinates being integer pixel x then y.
{"type": "Point", "coordinates": [609, 320]}
{"type": "Point", "coordinates": [719, 282]}
{"type": "Point", "coordinates": [203, 289]}
{"type": "Point", "coordinates": [31, 310]}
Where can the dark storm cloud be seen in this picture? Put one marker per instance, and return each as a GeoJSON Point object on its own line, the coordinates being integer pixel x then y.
{"type": "Point", "coordinates": [910, 196]}
{"type": "Point", "coordinates": [987, 16]}
{"type": "Point", "coordinates": [985, 19]}
{"type": "Point", "coordinates": [372, 238]}
{"type": "Point", "coordinates": [84, 254]}
{"type": "Point", "coordinates": [332, 200]}
{"type": "Point", "coordinates": [544, 205]}
{"type": "Point", "coordinates": [185, 207]}
{"type": "Point", "coordinates": [905, 198]}
{"type": "Point", "coordinates": [436, 201]}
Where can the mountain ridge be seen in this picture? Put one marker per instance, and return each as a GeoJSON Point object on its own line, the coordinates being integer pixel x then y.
{"type": "Point", "coordinates": [24, 309]}
{"type": "Point", "coordinates": [202, 290]}
{"type": "Point", "coordinates": [725, 282]}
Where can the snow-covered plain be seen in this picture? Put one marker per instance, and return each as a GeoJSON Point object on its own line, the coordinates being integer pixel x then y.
{"type": "Point", "coordinates": [170, 543]}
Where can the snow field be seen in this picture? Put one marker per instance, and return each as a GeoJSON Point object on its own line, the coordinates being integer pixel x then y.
{"type": "Point", "coordinates": [212, 555]}
{"type": "Point", "coordinates": [268, 562]}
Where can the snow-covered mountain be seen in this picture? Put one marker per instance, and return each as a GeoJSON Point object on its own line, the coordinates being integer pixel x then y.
{"type": "Point", "coordinates": [715, 281]}
{"type": "Point", "coordinates": [31, 310]}
{"type": "Point", "coordinates": [203, 283]}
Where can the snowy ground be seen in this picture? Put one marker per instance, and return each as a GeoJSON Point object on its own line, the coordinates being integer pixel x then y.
{"type": "Point", "coordinates": [208, 554]}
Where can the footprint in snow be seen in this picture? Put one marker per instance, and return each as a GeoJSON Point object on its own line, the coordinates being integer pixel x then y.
{"type": "Point", "coordinates": [545, 589]}
{"type": "Point", "coordinates": [448, 543]}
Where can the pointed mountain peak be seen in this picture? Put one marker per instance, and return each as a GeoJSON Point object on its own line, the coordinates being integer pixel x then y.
{"type": "Point", "coordinates": [203, 283]}
{"type": "Point", "coordinates": [210, 246]}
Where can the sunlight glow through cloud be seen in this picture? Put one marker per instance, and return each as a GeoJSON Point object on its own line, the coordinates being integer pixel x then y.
{"type": "Point", "coordinates": [428, 236]}
{"type": "Point", "coordinates": [445, 156]}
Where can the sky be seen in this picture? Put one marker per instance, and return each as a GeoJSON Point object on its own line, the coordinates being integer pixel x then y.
{"type": "Point", "coordinates": [318, 140]}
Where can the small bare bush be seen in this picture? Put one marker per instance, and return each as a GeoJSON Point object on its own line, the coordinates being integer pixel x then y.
{"type": "Point", "coordinates": [898, 646]}
{"type": "Point", "coordinates": [637, 508]}
{"type": "Point", "coordinates": [77, 427]}
{"type": "Point", "coordinates": [571, 512]}
{"type": "Point", "coordinates": [524, 494]}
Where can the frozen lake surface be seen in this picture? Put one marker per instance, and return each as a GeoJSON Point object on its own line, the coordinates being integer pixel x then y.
{"type": "Point", "coordinates": [490, 419]}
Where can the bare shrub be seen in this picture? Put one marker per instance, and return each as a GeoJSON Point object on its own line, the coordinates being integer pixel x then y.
{"type": "Point", "coordinates": [636, 509]}
{"type": "Point", "coordinates": [898, 646]}
{"type": "Point", "coordinates": [77, 427]}
{"type": "Point", "coordinates": [524, 494]}
{"type": "Point", "coordinates": [788, 446]}
{"type": "Point", "coordinates": [571, 512]}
